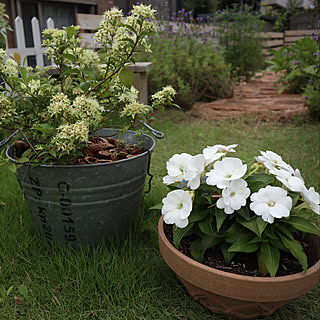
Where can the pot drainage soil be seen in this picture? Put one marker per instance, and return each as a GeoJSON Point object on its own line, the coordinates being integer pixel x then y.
{"type": "Point", "coordinates": [244, 263]}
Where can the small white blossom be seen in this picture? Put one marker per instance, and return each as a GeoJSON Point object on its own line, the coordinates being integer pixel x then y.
{"type": "Point", "coordinates": [194, 171]}
{"type": "Point", "coordinates": [134, 109]}
{"type": "Point", "coordinates": [234, 196]}
{"type": "Point", "coordinates": [271, 202]}
{"type": "Point", "coordinates": [271, 160]}
{"type": "Point", "coordinates": [292, 180]}
{"type": "Point", "coordinates": [69, 136]}
{"type": "Point", "coordinates": [59, 105]}
{"type": "Point", "coordinates": [176, 167]}
{"type": "Point", "coordinates": [312, 198]}
{"type": "Point", "coordinates": [224, 171]}
{"type": "Point", "coordinates": [214, 153]}
{"type": "Point", "coordinates": [177, 206]}
{"type": "Point", "coordinates": [7, 110]}
{"type": "Point", "coordinates": [164, 96]}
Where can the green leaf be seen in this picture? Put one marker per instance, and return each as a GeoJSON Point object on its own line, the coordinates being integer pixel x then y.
{"type": "Point", "coordinates": [205, 225]}
{"type": "Point", "coordinates": [196, 250]}
{"type": "Point", "coordinates": [259, 180]}
{"type": "Point", "coordinates": [271, 258]}
{"type": "Point", "coordinates": [210, 241]}
{"type": "Point", "coordinates": [251, 225]}
{"type": "Point", "coordinates": [129, 27]}
{"type": "Point", "coordinates": [236, 232]}
{"type": "Point", "coordinates": [198, 214]}
{"type": "Point", "coordinates": [23, 72]}
{"type": "Point", "coordinates": [227, 255]}
{"type": "Point", "coordinates": [284, 229]}
{"type": "Point", "coordinates": [245, 245]}
{"type": "Point", "coordinates": [244, 212]}
{"type": "Point", "coordinates": [9, 290]}
{"type": "Point", "coordinates": [126, 77]}
{"type": "Point", "coordinates": [220, 217]}
{"type": "Point", "coordinates": [296, 249]}
{"type": "Point", "coordinates": [295, 198]}
{"type": "Point", "coordinates": [158, 206]}
{"type": "Point", "coordinates": [71, 31]}
{"type": "Point", "coordinates": [2, 41]}
{"type": "Point", "coordinates": [70, 57]}
{"type": "Point", "coordinates": [23, 291]}
{"type": "Point", "coordinates": [303, 225]}
{"type": "Point", "coordinates": [261, 226]}
{"type": "Point", "coordinates": [85, 86]}
{"type": "Point", "coordinates": [179, 233]}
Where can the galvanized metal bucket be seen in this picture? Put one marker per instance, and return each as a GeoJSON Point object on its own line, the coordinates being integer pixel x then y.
{"type": "Point", "coordinates": [85, 204]}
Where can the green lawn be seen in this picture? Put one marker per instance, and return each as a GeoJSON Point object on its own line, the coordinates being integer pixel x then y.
{"type": "Point", "coordinates": [130, 280]}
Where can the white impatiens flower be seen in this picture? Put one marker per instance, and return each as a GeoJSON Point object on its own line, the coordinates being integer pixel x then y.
{"type": "Point", "coordinates": [292, 180]}
{"type": "Point", "coordinates": [271, 160]}
{"type": "Point", "coordinates": [312, 198]}
{"type": "Point", "coordinates": [177, 206]}
{"type": "Point", "coordinates": [271, 202]}
{"type": "Point", "coordinates": [194, 170]}
{"type": "Point", "coordinates": [226, 170]}
{"type": "Point", "coordinates": [234, 196]}
{"type": "Point", "coordinates": [214, 153]}
{"type": "Point", "coordinates": [176, 167]}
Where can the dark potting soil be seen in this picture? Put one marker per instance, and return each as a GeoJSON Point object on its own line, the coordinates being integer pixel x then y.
{"type": "Point", "coordinates": [244, 263]}
{"type": "Point", "coordinates": [98, 150]}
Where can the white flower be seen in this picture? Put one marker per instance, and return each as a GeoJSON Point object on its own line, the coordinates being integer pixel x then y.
{"type": "Point", "coordinates": [234, 196]}
{"type": "Point", "coordinates": [312, 198]}
{"type": "Point", "coordinates": [194, 170]}
{"type": "Point", "coordinates": [226, 170]}
{"type": "Point", "coordinates": [272, 160]}
{"type": "Point", "coordinates": [271, 202]}
{"type": "Point", "coordinates": [214, 153]}
{"type": "Point", "coordinates": [177, 206]}
{"type": "Point", "coordinates": [176, 167]}
{"type": "Point", "coordinates": [164, 96]}
{"type": "Point", "coordinates": [292, 180]}
{"type": "Point", "coordinates": [134, 109]}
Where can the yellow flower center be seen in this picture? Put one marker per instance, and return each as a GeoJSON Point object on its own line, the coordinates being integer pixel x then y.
{"type": "Point", "coordinates": [271, 203]}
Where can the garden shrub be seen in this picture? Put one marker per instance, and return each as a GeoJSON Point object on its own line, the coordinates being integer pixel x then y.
{"type": "Point", "coordinates": [239, 30]}
{"type": "Point", "coordinates": [299, 68]}
{"type": "Point", "coordinates": [186, 56]}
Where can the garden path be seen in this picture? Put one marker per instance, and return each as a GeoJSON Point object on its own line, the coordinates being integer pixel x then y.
{"type": "Point", "coordinates": [258, 97]}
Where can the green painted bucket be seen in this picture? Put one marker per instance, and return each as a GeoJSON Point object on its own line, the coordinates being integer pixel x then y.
{"type": "Point", "coordinates": [87, 204]}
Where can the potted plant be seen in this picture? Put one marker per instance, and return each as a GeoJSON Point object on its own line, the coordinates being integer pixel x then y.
{"type": "Point", "coordinates": [239, 234]}
{"type": "Point", "coordinates": [81, 170]}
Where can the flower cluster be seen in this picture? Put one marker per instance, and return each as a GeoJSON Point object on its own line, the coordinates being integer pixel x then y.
{"type": "Point", "coordinates": [217, 195]}
{"type": "Point", "coordinates": [9, 66]}
{"type": "Point", "coordinates": [58, 108]}
{"type": "Point", "coordinates": [69, 136]}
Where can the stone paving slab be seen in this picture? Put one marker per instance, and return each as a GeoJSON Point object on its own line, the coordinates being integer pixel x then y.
{"type": "Point", "coordinates": [258, 97]}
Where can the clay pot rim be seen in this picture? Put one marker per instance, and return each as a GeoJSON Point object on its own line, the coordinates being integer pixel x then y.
{"type": "Point", "coordinates": [233, 276]}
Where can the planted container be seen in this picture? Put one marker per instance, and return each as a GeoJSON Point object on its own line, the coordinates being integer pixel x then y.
{"type": "Point", "coordinates": [239, 296]}
{"type": "Point", "coordinates": [86, 204]}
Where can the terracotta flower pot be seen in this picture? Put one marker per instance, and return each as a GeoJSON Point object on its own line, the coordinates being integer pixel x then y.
{"type": "Point", "coordinates": [235, 295]}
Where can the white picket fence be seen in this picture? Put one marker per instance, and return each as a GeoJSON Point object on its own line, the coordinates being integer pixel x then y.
{"type": "Point", "coordinates": [36, 50]}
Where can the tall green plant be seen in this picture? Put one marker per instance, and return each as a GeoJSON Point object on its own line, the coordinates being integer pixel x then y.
{"type": "Point", "coordinates": [299, 68]}
{"type": "Point", "coordinates": [186, 56]}
{"type": "Point", "coordinates": [238, 30]}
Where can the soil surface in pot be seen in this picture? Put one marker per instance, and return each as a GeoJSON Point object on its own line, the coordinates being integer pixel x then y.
{"type": "Point", "coordinates": [244, 263]}
{"type": "Point", "coordinates": [98, 150]}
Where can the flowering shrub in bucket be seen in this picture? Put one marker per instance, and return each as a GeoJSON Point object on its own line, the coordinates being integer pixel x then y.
{"type": "Point", "coordinates": [257, 206]}
{"type": "Point", "coordinates": [56, 110]}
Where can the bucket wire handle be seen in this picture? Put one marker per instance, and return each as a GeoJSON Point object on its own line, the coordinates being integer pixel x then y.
{"type": "Point", "coordinates": [5, 141]}
{"type": "Point", "coordinates": [156, 133]}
